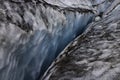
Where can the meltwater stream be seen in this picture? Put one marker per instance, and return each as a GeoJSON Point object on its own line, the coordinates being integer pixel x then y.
{"type": "Point", "coordinates": [32, 35]}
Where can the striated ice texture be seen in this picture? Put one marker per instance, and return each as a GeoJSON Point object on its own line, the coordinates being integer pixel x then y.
{"type": "Point", "coordinates": [34, 32]}
{"type": "Point", "coordinates": [94, 55]}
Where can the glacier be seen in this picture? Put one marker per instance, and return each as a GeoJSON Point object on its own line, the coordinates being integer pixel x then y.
{"type": "Point", "coordinates": [95, 54]}
{"type": "Point", "coordinates": [34, 32]}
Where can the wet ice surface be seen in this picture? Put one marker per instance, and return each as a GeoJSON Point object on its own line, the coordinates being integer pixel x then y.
{"type": "Point", "coordinates": [113, 6]}
{"type": "Point", "coordinates": [95, 55]}
{"type": "Point", "coordinates": [70, 3]}
{"type": "Point", "coordinates": [33, 33]}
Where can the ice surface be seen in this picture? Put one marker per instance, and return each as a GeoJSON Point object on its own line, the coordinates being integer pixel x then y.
{"type": "Point", "coordinates": [95, 55]}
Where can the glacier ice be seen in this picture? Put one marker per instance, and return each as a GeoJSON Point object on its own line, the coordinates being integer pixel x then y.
{"type": "Point", "coordinates": [33, 33]}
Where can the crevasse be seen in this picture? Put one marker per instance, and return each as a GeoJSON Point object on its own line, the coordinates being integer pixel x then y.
{"type": "Point", "coordinates": [32, 33]}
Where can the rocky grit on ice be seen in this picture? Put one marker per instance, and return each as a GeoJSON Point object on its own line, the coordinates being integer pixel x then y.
{"type": "Point", "coordinates": [34, 32]}
{"type": "Point", "coordinates": [94, 55]}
